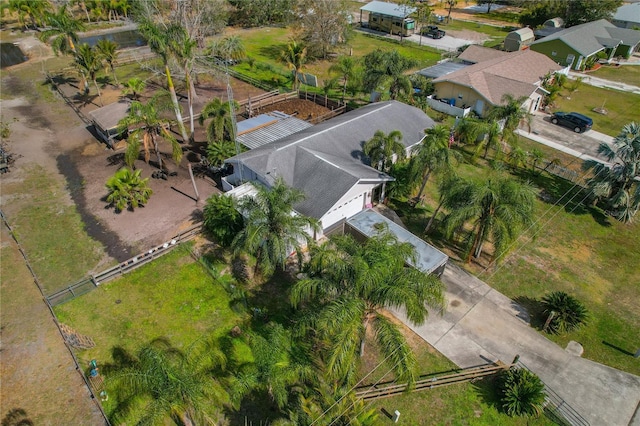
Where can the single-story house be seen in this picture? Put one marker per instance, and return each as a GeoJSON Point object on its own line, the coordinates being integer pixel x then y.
{"type": "Point", "coordinates": [326, 161]}
{"type": "Point", "coordinates": [484, 84]}
{"type": "Point", "coordinates": [518, 39]}
{"type": "Point", "coordinates": [105, 119]}
{"type": "Point", "coordinates": [627, 16]}
{"type": "Point", "coordinates": [574, 46]}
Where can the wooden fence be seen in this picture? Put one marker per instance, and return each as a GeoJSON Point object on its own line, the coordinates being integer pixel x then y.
{"type": "Point", "coordinates": [86, 285]}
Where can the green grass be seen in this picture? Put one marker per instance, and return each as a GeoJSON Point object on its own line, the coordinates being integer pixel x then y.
{"type": "Point", "coordinates": [50, 230]}
{"type": "Point", "coordinates": [628, 74]}
{"type": "Point", "coordinates": [173, 297]}
{"type": "Point", "coordinates": [622, 108]}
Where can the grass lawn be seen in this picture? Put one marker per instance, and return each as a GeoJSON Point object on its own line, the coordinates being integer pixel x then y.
{"type": "Point", "coordinates": [265, 44]}
{"type": "Point", "coordinates": [622, 108]}
{"type": "Point", "coordinates": [629, 74]}
{"type": "Point", "coordinates": [576, 249]}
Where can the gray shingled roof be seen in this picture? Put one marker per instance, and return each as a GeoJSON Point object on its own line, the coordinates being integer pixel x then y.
{"type": "Point", "coordinates": [592, 37]}
{"type": "Point", "coordinates": [628, 13]}
{"type": "Point", "coordinates": [326, 160]}
{"type": "Point", "coordinates": [389, 9]}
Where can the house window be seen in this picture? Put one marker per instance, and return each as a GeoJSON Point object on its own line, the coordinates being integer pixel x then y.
{"type": "Point", "coordinates": [554, 53]}
{"type": "Point", "coordinates": [459, 95]}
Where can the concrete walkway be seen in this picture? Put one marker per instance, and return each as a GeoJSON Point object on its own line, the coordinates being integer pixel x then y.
{"type": "Point", "coordinates": [605, 84]}
{"type": "Point", "coordinates": [481, 325]}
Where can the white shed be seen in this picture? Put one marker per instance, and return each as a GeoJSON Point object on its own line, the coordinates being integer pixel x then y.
{"type": "Point", "coordinates": [518, 39]}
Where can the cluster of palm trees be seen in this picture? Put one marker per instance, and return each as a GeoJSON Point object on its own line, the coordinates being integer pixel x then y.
{"type": "Point", "coordinates": [34, 13]}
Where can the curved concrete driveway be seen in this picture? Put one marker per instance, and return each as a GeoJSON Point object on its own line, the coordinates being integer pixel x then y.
{"type": "Point", "coordinates": [481, 325]}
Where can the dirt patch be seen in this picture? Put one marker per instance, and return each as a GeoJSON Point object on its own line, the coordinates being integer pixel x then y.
{"type": "Point", "coordinates": [301, 108]}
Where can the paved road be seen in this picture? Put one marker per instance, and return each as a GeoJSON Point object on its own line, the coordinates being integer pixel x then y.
{"type": "Point", "coordinates": [481, 325]}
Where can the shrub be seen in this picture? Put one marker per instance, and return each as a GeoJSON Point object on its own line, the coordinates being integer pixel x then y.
{"type": "Point", "coordinates": [564, 312]}
{"type": "Point", "coordinates": [521, 393]}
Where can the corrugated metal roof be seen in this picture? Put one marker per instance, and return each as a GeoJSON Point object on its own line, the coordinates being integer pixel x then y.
{"type": "Point", "coordinates": [108, 116]}
{"type": "Point", "coordinates": [428, 259]}
{"type": "Point", "coordinates": [271, 132]}
{"type": "Point", "coordinates": [441, 69]}
{"type": "Point", "coordinates": [389, 9]}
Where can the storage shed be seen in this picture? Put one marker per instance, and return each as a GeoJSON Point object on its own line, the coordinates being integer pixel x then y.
{"type": "Point", "coordinates": [105, 120]}
{"type": "Point", "coordinates": [518, 39]}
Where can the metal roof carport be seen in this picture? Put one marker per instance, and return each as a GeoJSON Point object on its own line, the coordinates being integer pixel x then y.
{"type": "Point", "coordinates": [429, 259]}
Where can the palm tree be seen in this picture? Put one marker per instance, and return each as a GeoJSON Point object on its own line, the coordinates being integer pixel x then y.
{"type": "Point", "coordinates": [279, 365]}
{"type": "Point", "coordinates": [449, 187]}
{"type": "Point", "coordinates": [134, 86]}
{"type": "Point", "coordinates": [222, 218]}
{"type": "Point", "coordinates": [295, 56]}
{"type": "Point", "coordinates": [35, 10]}
{"type": "Point", "coordinates": [512, 113]}
{"type": "Point", "coordinates": [88, 62]}
{"type": "Point", "coordinates": [384, 149]}
{"type": "Point", "coordinates": [498, 208]}
{"type": "Point", "coordinates": [433, 155]}
{"type": "Point", "coordinates": [564, 312]}
{"type": "Point", "coordinates": [346, 69]}
{"type": "Point", "coordinates": [145, 126]}
{"type": "Point", "coordinates": [218, 151]}
{"type": "Point", "coordinates": [165, 383]}
{"type": "Point", "coordinates": [536, 155]}
{"type": "Point", "coordinates": [229, 49]}
{"type": "Point", "coordinates": [108, 52]}
{"type": "Point", "coordinates": [350, 284]}
{"type": "Point", "coordinates": [517, 157]}
{"type": "Point", "coordinates": [65, 29]}
{"type": "Point", "coordinates": [127, 190]}
{"type": "Point", "coordinates": [273, 231]}
{"type": "Point", "coordinates": [159, 40]}
{"type": "Point", "coordinates": [388, 69]}
{"type": "Point", "coordinates": [521, 392]}
{"type": "Point", "coordinates": [183, 49]}
{"type": "Point", "coordinates": [617, 182]}
{"type": "Point", "coordinates": [220, 128]}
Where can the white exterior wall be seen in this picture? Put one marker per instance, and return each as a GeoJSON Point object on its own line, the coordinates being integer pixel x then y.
{"type": "Point", "coordinates": [351, 203]}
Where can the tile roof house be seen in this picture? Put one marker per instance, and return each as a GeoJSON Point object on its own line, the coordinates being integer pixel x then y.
{"type": "Point", "coordinates": [627, 16]}
{"type": "Point", "coordinates": [326, 161]}
{"type": "Point", "coordinates": [575, 46]}
{"type": "Point", "coordinates": [494, 75]}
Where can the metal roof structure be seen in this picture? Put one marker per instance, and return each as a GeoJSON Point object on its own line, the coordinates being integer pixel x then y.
{"type": "Point", "coordinates": [429, 259]}
{"type": "Point", "coordinates": [108, 116]}
{"type": "Point", "coordinates": [388, 9]}
{"type": "Point", "coordinates": [266, 128]}
{"type": "Point", "coordinates": [442, 69]}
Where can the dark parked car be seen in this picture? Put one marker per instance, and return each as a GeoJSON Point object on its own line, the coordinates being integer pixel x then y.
{"type": "Point", "coordinates": [433, 32]}
{"type": "Point", "coordinates": [578, 122]}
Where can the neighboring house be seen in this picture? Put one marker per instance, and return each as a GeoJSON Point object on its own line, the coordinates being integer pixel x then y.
{"type": "Point", "coordinates": [550, 26]}
{"type": "Point", "coordinates": [627, 16]}
{"type": "Point", "coordinates": [326, 161]}
{"type": "Point", "coordinates": [484, 84]}
{"type": "Point", "coordinates": [518, 39]}
{"type": "Point", "coordinates": [575, 46]}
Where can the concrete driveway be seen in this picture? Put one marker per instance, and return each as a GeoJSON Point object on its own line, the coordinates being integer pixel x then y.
{"type": "Point", "coordinates": [482, 325]}
{"type": "Point", "coordinates": [447, 42]}
{"type": "Point", "coordinates": [579, 144]}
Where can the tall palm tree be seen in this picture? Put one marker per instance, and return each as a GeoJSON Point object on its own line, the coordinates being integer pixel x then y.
{"type": "Point", "coordinates": [346, 69]}
{"type": "Point", "coordinates": [617, 183]}
{"type": "Point", "coordinates": [183, 49]}
{"type": "Point", "coordinates": [388, 70]}
{"type": "Point", "coordinates": [107, 51]}
{"type": "Point", "coordinates": [146, 127]}
{"type": "Point", "coordinates": [449, 187]}
{"type": "Point", "coordinates": [273, 231]}
{"type": "Point", "coordinates": [228, 48]}
{"type": "Point", "coordinates": [350, 283]}
{"type": "Point", "coordinates": [88, 62]}
{"type": "Point", "coordinates": [127, 190]}
{"type": "Point", "coordinates": [433, 155]}
{"type": "Point", "coordinates": [498, 208]}
{"type": "Point", "coordinates": [220, 127]}
{"type": "Point", "coordinates": [159, 40]}
{"type": "Point", "coordinates": [384, 149]}
{"type": "Point", "coordinates": [165, 383]}
{"type": "Point", "coordinates": [295, 56]}
{"type": "Point", "coordinates": [34, 10]}
{"type": "Point", "coordinates": [65, 28]}
{"type": "Point", "coordinates": [512, 112]}
{"type": "Point", "coordinates": [134, 86]}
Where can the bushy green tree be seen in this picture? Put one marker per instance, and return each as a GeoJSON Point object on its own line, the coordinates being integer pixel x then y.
{"type": "Point", "coordinates": [386, 70]}
{"type": "Point", "coordinates": [222, 218]}
{"type": "Point", "coordinates": [127, 190]}
{"type": "Point", "coordinates": [383, 149]}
